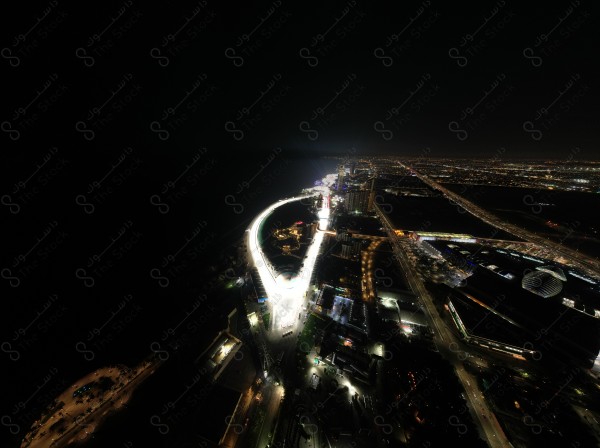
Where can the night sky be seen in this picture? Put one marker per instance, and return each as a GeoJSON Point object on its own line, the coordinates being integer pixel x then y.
{"type": "Point", "coordinates": [104, 104]}
{"type": "Point", "coordinates": [534, 51]}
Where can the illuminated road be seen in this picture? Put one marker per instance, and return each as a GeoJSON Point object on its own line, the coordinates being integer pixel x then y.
{"type": "Point", "coordinates": [368, 286]}
{"type": "Point", "coordinates": [286, 296]}
{"type": "Point", "coordinates": [590, 419]}
{"type": "Point", "coordinates": [272, 400]}
{"type": "Point", "coordinates": [582, 261]}
{"type": "Point", "coordinates": [78, 422]}
{"type": "Point", "coordinates": [449, 348]}
{"type": "Point", "coordinates": [236, 433]}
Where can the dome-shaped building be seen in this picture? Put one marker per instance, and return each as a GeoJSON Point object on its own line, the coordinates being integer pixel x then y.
{"type": "Point", "coordinates": [545, 281]}
{"type": "Point", "coordinates": [554, 271]}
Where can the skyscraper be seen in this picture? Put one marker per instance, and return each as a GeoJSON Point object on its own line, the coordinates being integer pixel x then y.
{"type": "Point", "coordinates": [371, 195]}
{"type": "Point", "coordinates": [341, 173]}
{"type": "Point", "coordinates": [358, 201]}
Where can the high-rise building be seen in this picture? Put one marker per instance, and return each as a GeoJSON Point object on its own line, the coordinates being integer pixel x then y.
{"type": "Point", "coordinates": [340, 180]}
{"type": "Point", "coordinates": [358, 201]}
{"type": "Point", "coordinates": [361, 201]}
{"type": "Point", "coordinates": [371, 195]}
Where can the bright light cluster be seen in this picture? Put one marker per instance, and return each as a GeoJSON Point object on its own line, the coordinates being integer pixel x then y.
{"type": "Point", "coordinates": [287, 295]}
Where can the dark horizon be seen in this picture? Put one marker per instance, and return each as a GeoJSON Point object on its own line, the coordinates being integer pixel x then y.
{"type": "Point", "coordinates": [499, 154]}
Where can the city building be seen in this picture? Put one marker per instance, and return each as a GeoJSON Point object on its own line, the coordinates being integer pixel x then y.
{"type": "Point", "coordinates": [358, 316]}
{"type": "Point", "coordinates": [358, 201]}
{"type": "Point", "coordinates": [343, 235]}
{"type": "Point", "coordinates": [351, 248]}
{"type": "Point", "coordinates": [388, 309]}
{"type": "Point", "coordinates": [545, 281]}
{"type": "Point", "coordinates": [351, 361]}
{"type": "Point", "coordinates": [219, 354]}
{"type": "Point", "coordinates": [340, 179]}
{"type": "Point", "coordinates": [412, 316]}
{"type": "Point", "coordinates": [401, 309]}
{"type": "Point", "coordinates": [227, 364]}
{"type": "Point", "coordinates": [526, 318]}
{"type": "Point", "coordinates": [325, 299]}
{"type": "Point", "coordinates": [361, 200]}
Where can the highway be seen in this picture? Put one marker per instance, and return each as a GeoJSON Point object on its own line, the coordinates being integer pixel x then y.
{"type": "Point", "coordinates": [447, 343]}
{"type": "Point", "coordinates": [587, 264]}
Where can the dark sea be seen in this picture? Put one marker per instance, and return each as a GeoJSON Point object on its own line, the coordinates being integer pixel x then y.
{"type": "Point", "coordinates": [101, 274]}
